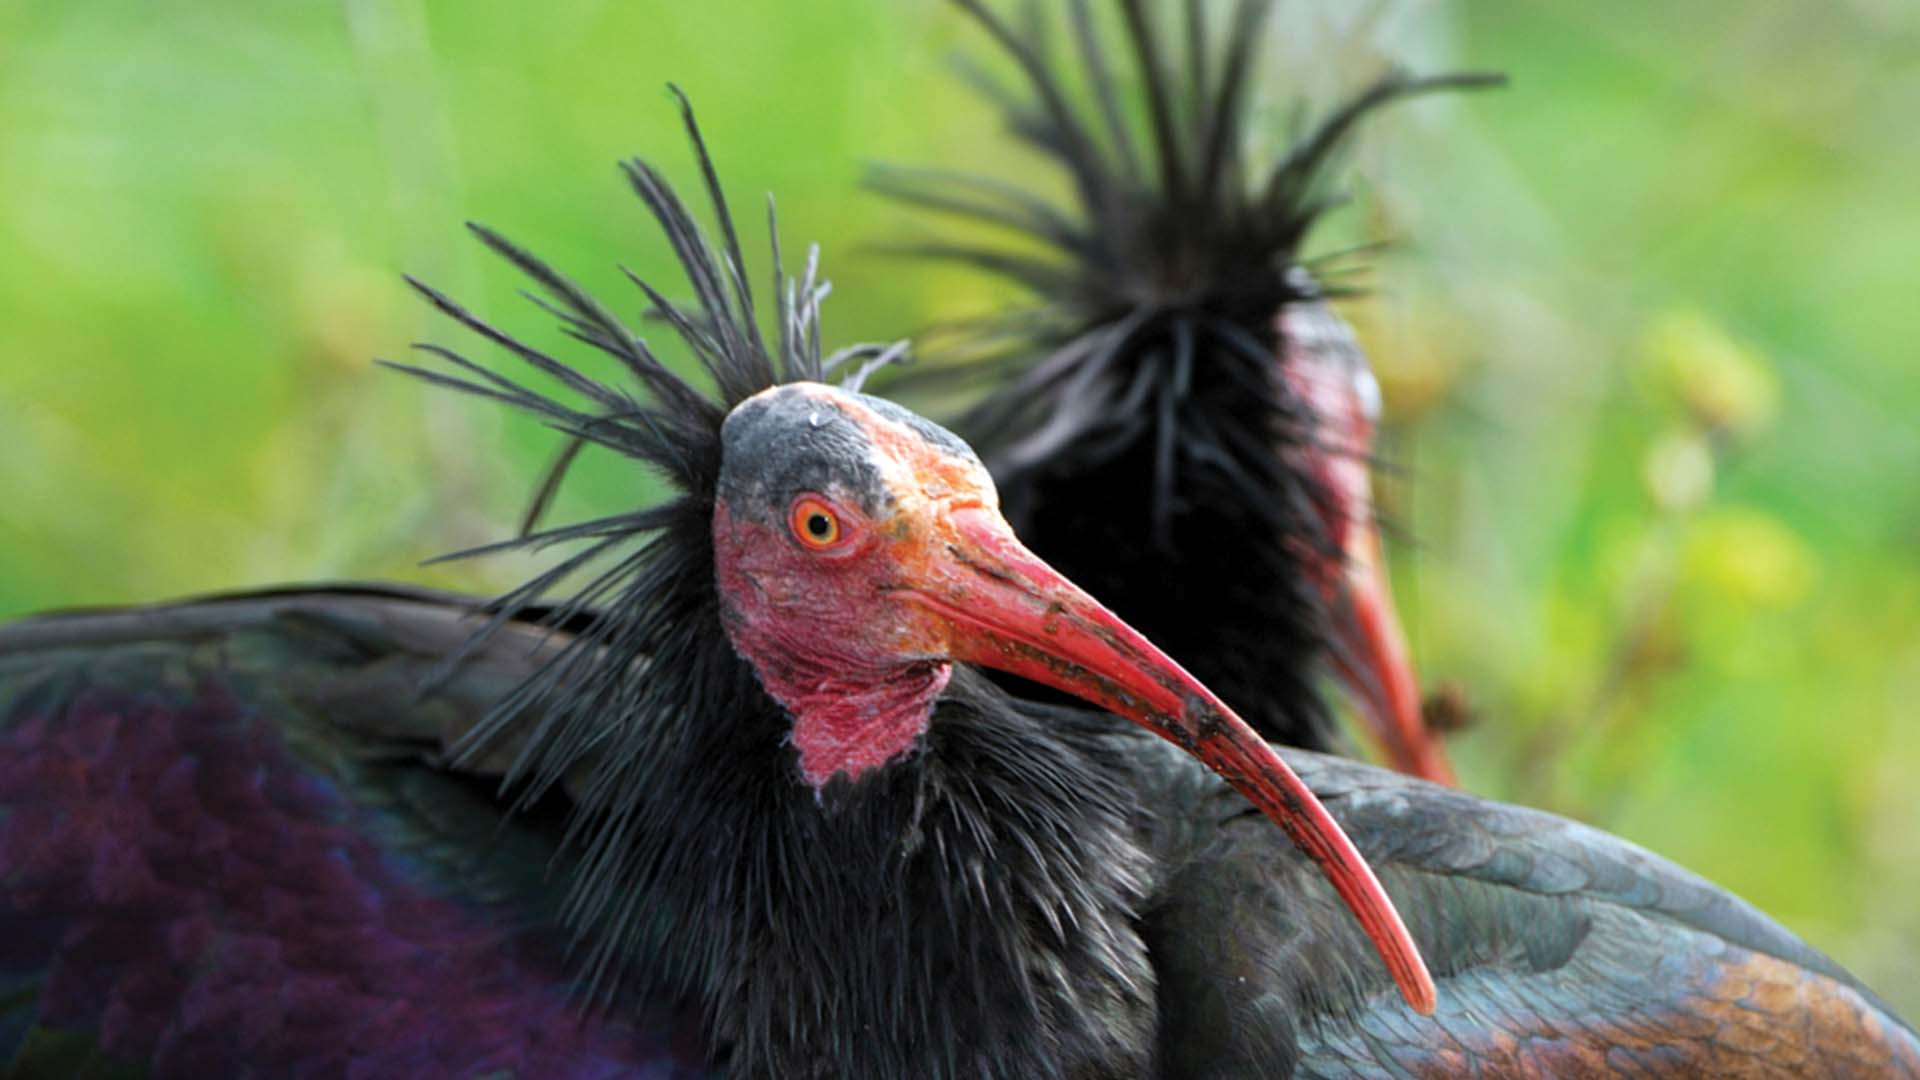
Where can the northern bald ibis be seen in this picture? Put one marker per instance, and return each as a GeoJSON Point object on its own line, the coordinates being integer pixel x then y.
{"type": "Point", "coordinates": [790, 829]}
{"type": "Point", "coordinates": [1180, 413]}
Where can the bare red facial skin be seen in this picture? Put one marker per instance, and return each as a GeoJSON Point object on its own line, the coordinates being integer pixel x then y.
{"type": "Point", "coordinates": [855, 706]}
{"type": "Point", "coordinates": [1323, 367]}
{"type": "Point", "coordinates": [855, 642]}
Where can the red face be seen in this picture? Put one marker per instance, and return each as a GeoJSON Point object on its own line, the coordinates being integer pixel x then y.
{"type": "Point", "coordinates": [859, 552]}
{"type": "Point", "coordinates": [1323, 367]}
{"type": "Point", "coordinates": [846, 512]}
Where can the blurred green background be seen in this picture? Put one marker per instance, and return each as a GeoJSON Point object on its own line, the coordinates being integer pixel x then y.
{"type": "Point", "coordinates": [1647, 331]}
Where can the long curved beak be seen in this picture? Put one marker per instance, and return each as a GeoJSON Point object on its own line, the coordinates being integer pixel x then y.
{"type": "Point", "coordinates": [1006, 609]}
{"type": "Point", "coordinates": [1370, 656]}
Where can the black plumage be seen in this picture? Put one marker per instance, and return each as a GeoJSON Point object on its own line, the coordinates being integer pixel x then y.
{"type": "Point", "coordinates": [1561, 951]}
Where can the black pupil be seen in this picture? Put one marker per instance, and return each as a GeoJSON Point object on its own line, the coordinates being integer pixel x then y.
{"type": "Point", "coordinates": [818, 525]}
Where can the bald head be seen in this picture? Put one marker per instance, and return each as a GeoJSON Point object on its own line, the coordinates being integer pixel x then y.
{"type": "Point", "coordinates": [804, 438]}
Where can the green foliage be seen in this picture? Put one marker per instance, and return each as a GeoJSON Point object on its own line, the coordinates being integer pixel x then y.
{"type": "Point", "coordinates": [1647, 344]}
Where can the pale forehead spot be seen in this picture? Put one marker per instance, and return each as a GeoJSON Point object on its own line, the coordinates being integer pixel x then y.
{"type": "Point", "coordinates": [1367, 389]}
{"type": "Point", "coordinates": [1326, 356]}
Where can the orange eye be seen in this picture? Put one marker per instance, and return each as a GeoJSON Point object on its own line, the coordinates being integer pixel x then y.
{"type": "Point", "coordinates": [814, 523]}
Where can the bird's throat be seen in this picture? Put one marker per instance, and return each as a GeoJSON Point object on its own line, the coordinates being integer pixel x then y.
{"type": "Point", "coordinates": [841, 727]}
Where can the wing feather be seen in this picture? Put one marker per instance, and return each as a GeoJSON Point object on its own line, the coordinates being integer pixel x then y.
{"type": "Point", "coordinates": [228, 843]}
{"type": "Point", "coordinates": [1559, 951]}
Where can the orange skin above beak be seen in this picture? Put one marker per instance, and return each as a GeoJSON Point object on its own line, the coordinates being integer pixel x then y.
{"type": "Point", "coordinates": [998, 605]}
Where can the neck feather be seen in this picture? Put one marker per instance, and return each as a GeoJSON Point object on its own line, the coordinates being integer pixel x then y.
{"type": "Point", "coordinates": [853, 725]}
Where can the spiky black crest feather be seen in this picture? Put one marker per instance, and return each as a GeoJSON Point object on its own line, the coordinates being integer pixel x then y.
{"type": "Point", "coordinates": [1133, 413]}
{"type": "Point", "coordinates": [651, 643]}
{"type": "Point", "coordinates": [1161, 263]}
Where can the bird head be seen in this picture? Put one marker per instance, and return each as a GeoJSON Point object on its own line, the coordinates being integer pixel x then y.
{"type": "Point", "coordinates": [835, 512]}
{"type": "Point", "coordinates": [859, 551]}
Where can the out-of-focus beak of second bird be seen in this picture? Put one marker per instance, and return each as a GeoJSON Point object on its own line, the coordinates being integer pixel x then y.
{"type": "Point", "coordinates": [1322, 365]}
{"type": "Point", "coordinates": [985, 599]}
{"type": "Point", "coordinates": [1370, 656]}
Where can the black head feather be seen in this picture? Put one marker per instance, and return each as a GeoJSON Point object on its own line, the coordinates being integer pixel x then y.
{"type": "Point", "coordinates": [649, 643]}
{"type": "Point", "coordinates": [1138, 397]}
{"type": "Point", "coordinates": [819, 935]}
